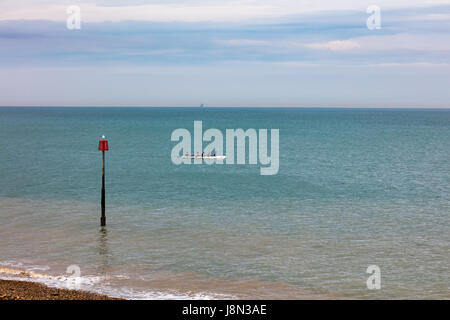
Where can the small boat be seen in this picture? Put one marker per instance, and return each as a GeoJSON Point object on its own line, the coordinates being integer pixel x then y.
{"type": "Point", "coordinates": [204, 157]}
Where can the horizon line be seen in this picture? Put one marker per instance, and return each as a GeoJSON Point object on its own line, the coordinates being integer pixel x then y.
{"type": "Point", "coordinates": [231, 107]}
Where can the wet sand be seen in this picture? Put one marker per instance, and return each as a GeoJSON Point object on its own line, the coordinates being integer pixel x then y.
{"type": "Point", "coordinates": [23, 290]}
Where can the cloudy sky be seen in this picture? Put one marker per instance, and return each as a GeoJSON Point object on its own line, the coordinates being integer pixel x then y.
{"type": "Point", "coordinates": [278, 53]}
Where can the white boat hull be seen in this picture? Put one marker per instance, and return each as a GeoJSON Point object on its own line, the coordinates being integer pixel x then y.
{"type": "Point", "coordinates": [204, 157]}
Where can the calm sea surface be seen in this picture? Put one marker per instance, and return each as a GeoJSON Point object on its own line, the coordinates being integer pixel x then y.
{"type": "Point", "coordinates": [355, 188]}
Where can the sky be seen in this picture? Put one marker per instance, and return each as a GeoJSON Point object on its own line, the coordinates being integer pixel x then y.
{"type": "Point", "coordinates": [236, 53]}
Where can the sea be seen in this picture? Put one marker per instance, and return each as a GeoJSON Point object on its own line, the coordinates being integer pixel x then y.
{"type": "Point", "coordinates": [357, 190]}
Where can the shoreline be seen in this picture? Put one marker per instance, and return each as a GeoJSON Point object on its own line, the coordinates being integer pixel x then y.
{"type": "Point", "coordinates": [27, 290]}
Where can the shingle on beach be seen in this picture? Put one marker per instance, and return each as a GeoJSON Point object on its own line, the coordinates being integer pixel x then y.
{"type": "Point", "coordinates": [24, 290]}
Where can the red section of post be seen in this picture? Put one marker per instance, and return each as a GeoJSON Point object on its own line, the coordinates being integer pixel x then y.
{"type": "Point", "coordinates": [103, 146]}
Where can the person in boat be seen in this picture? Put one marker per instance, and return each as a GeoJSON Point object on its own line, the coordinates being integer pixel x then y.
{"type": "Point", "coordinates": [187, 154]}
{"type": "Point", "coordinates": [197, 155]}
{"type": "Point", "coordinates": [203, 154]}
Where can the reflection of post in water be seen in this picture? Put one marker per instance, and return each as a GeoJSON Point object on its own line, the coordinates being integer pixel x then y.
{"type": "Point", "coordinates": [103, 250]}
{"type": "Point", "coordinates": [103, 241]}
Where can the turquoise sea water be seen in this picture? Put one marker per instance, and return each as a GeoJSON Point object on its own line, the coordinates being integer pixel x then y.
{"type": "Point", "coordinates": [355, 188]}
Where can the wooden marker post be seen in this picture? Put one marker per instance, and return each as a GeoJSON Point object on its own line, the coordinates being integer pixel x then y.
{"type": "Point", "coordinates": [103, 146]}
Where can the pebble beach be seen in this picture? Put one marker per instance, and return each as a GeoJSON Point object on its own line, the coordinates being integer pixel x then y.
{"type": "Point", "coordinates": [24, 290]}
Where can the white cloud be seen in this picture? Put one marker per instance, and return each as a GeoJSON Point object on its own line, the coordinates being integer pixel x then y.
{"type": "Point", "coordinates": [426, 17]}
{"type": "Point", "coordinates": [189, 11]}
{"type": "Point", "coordinates": [336, 45]}
{"type": "Point", "coordinates": [402, 41]}
{"type": "Point", "coordinates": [153, 12]}
{"type": "Point", "coordinates": [430, 42]}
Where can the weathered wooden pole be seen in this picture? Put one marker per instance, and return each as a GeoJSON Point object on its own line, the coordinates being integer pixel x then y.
{"type": "Point", "coordinates": [103, 146]}
{"type": "Point", "coordinates": [103, 218]}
